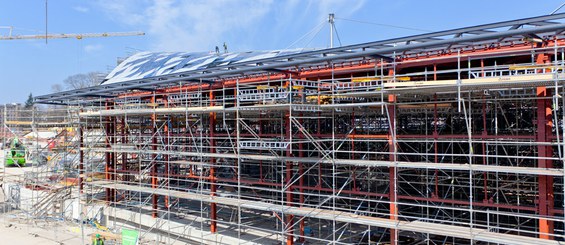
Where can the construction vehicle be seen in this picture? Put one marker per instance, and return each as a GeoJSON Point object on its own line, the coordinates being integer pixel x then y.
{"type": "Point", "coordinates": [16, 154]}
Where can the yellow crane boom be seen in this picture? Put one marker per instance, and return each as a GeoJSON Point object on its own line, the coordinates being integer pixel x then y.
{"type": "Point", "coordinates": [73, 35]}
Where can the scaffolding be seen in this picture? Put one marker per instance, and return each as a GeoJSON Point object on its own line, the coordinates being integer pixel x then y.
{"type": "Point", "coordinates": [436, 141]}
{"type": "Point", "coordinates": [39, 192]}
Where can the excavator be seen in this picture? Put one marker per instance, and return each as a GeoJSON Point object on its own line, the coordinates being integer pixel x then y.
{"type": "Point", "coordinates": [16, 154]}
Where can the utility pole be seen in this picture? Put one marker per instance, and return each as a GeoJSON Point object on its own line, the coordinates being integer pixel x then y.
{"type": "Point", "coordinates": [331, 21]}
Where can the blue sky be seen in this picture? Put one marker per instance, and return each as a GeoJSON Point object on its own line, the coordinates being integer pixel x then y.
{"type": "Point", "coordinates": [176, 25]}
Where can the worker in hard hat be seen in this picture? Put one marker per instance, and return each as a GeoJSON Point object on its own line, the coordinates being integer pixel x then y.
{"type": "Point", "coordinates": [98, 240]}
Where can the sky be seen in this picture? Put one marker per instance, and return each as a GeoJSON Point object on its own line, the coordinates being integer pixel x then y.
{"type": "Point", "coordinates": [32, 66]}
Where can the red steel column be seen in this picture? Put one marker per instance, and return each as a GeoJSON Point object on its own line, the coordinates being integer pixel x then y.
{"type": "Point", "coordinates": [154, 184]}
{"type": "Point", "coordinates": [392, 170]}
{"type": "Point", "coordinates": [436, 136]}
{"type": "Point", "coordinates": [212, 126]}
{"type": "Point", "coordinates": [302, 224]}
{"type": "Point", "coordinates": [545, 183]}
{"type": "Point", "coordinates": [166, 156]}
{"type": "Point", "coordinates": [352, 155]}
{"type": "Point", "coordinates": [124, 154]}
{"type": "Point", "coordinates": [114, 159]}
{"type": "Point", "coordinates": [483, 146]}
{"type": "Point", "coordinates": [485, 134]}
{"type": "Point", "coordinates": [108, 155]}
{"type": "Point", "coordinates": [301, 196]}
{"type": "Point", "coordinates": [290, 218]}
{"type": "Point", "coordinates": [81, 158]}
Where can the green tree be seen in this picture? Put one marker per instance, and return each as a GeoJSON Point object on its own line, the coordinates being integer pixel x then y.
{"type": "Point", "coordinates": [29, 101]}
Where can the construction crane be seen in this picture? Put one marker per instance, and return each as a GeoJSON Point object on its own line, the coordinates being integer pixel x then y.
{"type": "Point", "coordinates": [73, 35]}
{"type": "Point", "coordinates": [47, 36]}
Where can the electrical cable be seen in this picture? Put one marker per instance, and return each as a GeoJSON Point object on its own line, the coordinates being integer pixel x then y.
{"type": "Point", "coordinates": [386, 25]}
{"type": "Point", "coordinates": [308, 33]}
{"type": "Point", "coordinates": [315, 35]}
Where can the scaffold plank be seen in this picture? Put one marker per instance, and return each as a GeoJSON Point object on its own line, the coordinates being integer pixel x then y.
{"type": "Point", "coordinates": [414, 226]}
{"type": "Point", "coordinates": [159, 111]}
{"type": "Point", "coordinates": [361, 163]}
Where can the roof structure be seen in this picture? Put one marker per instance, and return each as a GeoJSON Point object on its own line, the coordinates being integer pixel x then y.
{"type": "Point", "coordinates": [152, 71]}
{"type": "Point", "coordinates": [152, 64]}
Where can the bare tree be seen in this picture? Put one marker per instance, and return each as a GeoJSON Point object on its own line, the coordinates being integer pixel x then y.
{"type": "Point", "coordinates": [57, 87]}
{"type": "Point", "coordinates": [79, 81]}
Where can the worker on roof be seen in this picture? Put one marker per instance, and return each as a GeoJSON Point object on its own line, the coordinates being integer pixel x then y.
{"type": "Point", "coordinates": [98, 240]}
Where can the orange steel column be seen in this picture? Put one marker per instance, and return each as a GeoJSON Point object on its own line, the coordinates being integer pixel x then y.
{"type": "Point", "coordinates": [392, 170]}
{"type": "Point", "coordinates": [212, 126]}
{"type": "Point", "coordinates": [545, 183]}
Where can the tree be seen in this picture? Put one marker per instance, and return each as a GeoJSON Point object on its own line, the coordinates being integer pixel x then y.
{"type": "Point", "coordinates": [79, 81]}
{"type": "Point", "coordinates": [29, 102]}
{"type": "Point", "coordinates": [57, 87]}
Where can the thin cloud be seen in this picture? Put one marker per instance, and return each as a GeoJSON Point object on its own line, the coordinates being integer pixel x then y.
{"type": "Point", "coordinates": [81, 9]}
{"type": "Point", "coordinates": [128, 12]}
{"type": "Point", "coordinates": [91, 48]}
{"type": "Point", "coordinates": [305, 17]}
{"type": "Point", "coordinates": [174, 25]}
{"type": "Point", "coordinates": [343, 8]}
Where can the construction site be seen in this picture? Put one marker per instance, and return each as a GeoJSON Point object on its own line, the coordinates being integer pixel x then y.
{"type": "Point", "coordinates": [448, 137]}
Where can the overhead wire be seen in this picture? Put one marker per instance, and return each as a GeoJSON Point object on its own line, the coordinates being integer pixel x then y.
{"type": "Point", "coordinates": [317, 27]}
{"type": "Point", "coordinates": [386, 25]}
{"type": "Point", "coordinates": [311, 39]}
{"type": "Point", "coordinates": [316, 30]}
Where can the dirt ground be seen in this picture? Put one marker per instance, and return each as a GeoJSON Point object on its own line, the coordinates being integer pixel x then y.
{"type": "Point", "coordinates": [27, 234]}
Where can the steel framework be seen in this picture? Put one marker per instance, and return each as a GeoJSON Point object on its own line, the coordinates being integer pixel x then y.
{"type": "Point", "coordinates": [448, 137]}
